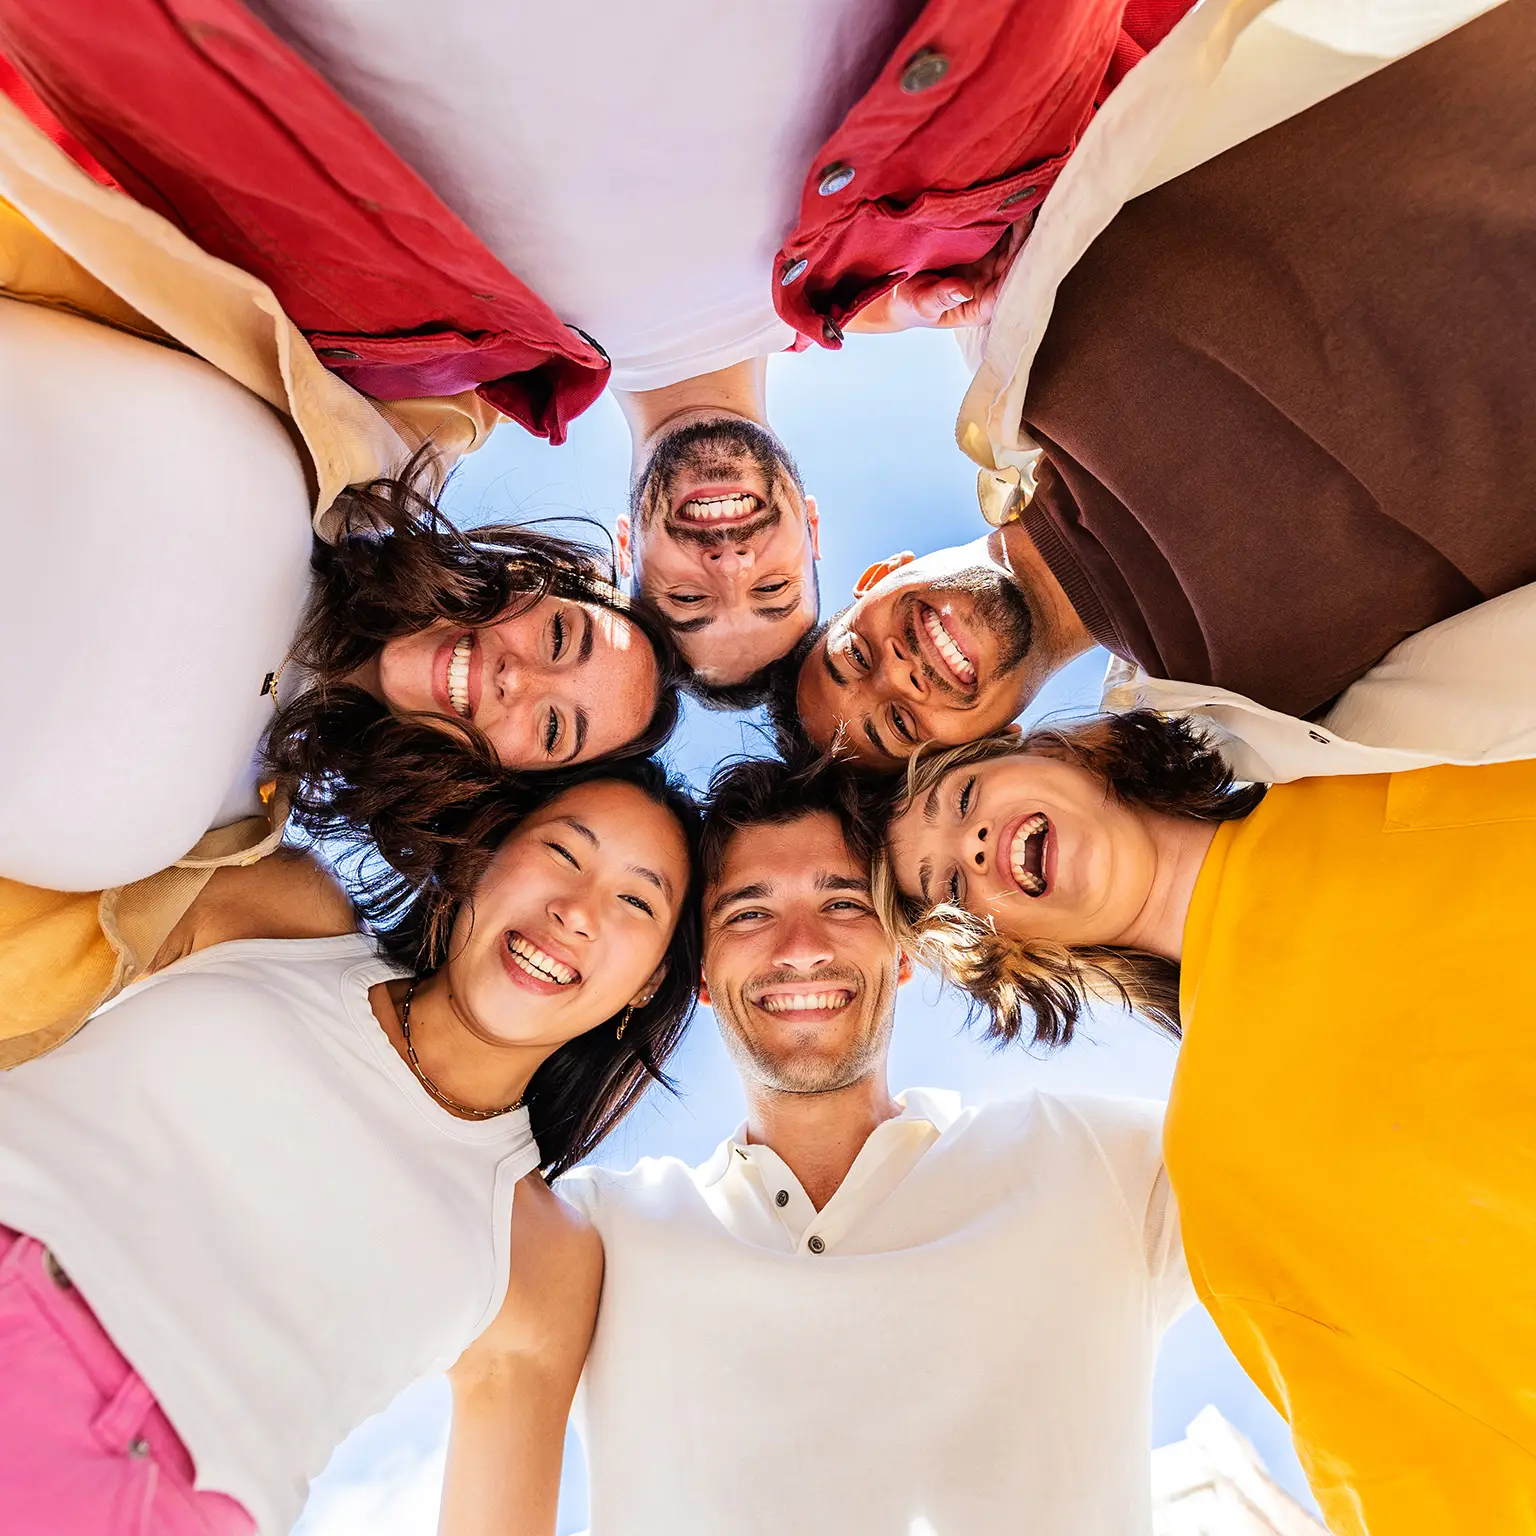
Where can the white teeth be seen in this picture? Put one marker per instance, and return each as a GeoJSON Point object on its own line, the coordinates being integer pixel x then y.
{"type": "Point", "coordinates": [458, 676]}
{"type": "Point", "coordinates": [805, 1002]}
{"type": "Point", "coordinates": [947, 648]}
{"type": "Point", "coordinates": [533, 960]}
{"type": "Point", "coordinates": [1029, 882]}
{"type": "Point", "coordinates": [711, 509]}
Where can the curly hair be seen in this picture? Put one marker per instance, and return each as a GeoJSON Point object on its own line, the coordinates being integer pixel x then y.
{"type": "Point", "coordinates": [1144, 759]}
{"type": "Point", "coordinates": [586, 1087]}
{"type": "Point", "coordinates": [398, 566]}
{"type": "Point", "coordinates": [780, 684]}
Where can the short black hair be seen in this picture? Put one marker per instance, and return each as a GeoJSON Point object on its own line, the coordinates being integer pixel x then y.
{"type": "Point", "coordinates": [771, 791]}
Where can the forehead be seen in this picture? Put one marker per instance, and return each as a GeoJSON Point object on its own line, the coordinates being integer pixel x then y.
{"type": "Point", "coordinates": [621, 815]}
{"type": "Point", "coordinates": [789, 855]}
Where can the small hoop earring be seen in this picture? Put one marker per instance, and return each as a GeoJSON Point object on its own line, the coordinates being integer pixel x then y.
{"type": "Point", "coordinates": [618, 1034]}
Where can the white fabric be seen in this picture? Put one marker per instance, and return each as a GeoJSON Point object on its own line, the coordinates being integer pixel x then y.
{"type": "Point", "coordinates": [971, 1351]}
{"type": "Point", "coordinates": [1230, 69]}
{"type": "Point", "coordinates": [272, 1219]}
{"type": "Point", "coordinates": [638, 166]}
{"type": "Point", "coordinates": [154, 562]}
{"type": "Point", "coordinates": [1457, 692]}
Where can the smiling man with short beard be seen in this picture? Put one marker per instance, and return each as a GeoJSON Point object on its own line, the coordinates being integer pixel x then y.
{"type": "Point", "coordinates": [795, 1335]}
{"type": "Point", "coordinates": [720, 535]}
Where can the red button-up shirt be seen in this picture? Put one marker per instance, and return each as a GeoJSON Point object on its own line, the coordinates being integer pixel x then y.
{"type": "Point", "coordinates": [200, 113]}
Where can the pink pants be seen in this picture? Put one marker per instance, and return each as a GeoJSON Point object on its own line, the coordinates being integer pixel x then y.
{"type": "Point", "coordinates": [84, 1447]}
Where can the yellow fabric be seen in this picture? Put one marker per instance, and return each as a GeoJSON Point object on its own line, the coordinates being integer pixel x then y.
{"type": "Point", "coordinates": [1352, 1136]}
{"type": "Point", "coordinates": [68, 242]}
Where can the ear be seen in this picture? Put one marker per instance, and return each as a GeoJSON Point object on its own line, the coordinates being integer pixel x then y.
{"type": "Point", "coordinates": [880, 570]}
{"type": "Point", "coordinates": [704, 996]}
{"type": "Point", "coordinates": [1013, 730]}
{"type": "Point", "coordinates": [623, 538]}
{"type": "Point", "coordinates": [813, 522]}
{"type": "Point", "coordinates": [652, 985]}
{"type": "Point", "coordinates": [903, 968]}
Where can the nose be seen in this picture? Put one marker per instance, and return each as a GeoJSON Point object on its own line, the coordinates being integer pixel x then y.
{"type": "Point", "coordinates": [900, 674]}
{"type": "Point", "coordinates": [730, 559]}
{"type": "Point", "coordinates": [572, 914]}
{"type": "Point", "coordinates": [980, 847]}
{"type": "Point", "coordinates": [802, 946]}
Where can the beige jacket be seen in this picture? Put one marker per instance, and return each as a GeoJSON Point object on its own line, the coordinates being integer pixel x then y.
{"type": "Point", "coordinates": [68, 242]}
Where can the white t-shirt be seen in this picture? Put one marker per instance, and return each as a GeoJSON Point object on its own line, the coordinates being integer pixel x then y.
{"type": "Point", "coordinates": [154, 564]}
{"type": "Point", "coordinates": [962, 1340]}
{"type": "Point", "coordinates": [276, 1225]}
{"type": "Point", "coordinates": [638, 166]}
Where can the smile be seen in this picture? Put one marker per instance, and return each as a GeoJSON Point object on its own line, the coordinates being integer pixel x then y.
{"type": "Point", "coordinates": [1026, 854]}
{"type": "Point", "coordinates": [826, 1001]}
{"type": "Point", "coordinates": [711, 510]}
{"type": "Point", "coordinates": [458, 676]}
{"type": "Point", "coordinates": [958, 664]}
{"type": "Point", "coordinates": [542, 966]}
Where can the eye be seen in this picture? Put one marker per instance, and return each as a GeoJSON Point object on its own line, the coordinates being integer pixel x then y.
{"type": "Point", "coordinates": [745, 915]}
{"type": "Point", "coordinates": [685, 597]}
{"type": "Point", "coordinates": [558, 649]}
{"type": "Point", "coordinates": [641, 903]}
{"type": "Point", "coordinates": [952, 889]}
{"type": "Point", "coordinates": [551, 733]}
{"type": "Point", "coordinates": [966, 795]}
{"type": "Point", "coordinates": [902, 729]}
{"type": "Point", "coordinates": [564, 852]}
{"type": "Point", "coordinates": [768, 588]}
{"type": "Point", "coordinates": [856, 650]}
{"type": "Point", "coordinates": [858, 908]}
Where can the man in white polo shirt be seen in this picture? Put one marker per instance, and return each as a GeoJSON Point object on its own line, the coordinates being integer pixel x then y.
{"type": "Point", "coordinates": [866, 1313]}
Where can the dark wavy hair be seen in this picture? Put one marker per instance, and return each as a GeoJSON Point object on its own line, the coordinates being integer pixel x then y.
{"type": "Point", "coordinates": [397, 566]}
{"type": "Point", "coordinates": [587, 1086]}
{"type": "Point", "coordinates": [1161, 763]}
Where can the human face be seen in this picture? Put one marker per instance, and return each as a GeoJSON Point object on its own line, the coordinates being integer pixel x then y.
{"type": "Point", "coordinates": [1040, 847]}
{"type": "Point", "coordinates": [937, 649]}
{"type": "Point", "coordinates": [796, 965]}
{"type": "Point", "coordinates": [572, 919]}
{"type": "Point", "coordinates": [725, 544]}
{"type": "Point", "coordinates": [560, 682]}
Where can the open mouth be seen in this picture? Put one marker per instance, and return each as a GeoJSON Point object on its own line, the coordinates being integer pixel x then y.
{"type": "Point", "coordinates": [538, 963]}
{"type": "Point", "coordinates": [710, 509]}
{"type": "Point", "coordinates": [1026, 854]}
{"type": "Point", "coordinates": [804, 1000]}
{"type": "Point", "coordinates": [458, 676]}
{"type": "Point", "coordinates": [951, 655]}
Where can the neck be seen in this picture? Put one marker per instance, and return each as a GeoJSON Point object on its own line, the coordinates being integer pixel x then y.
{"type": "Point", "coordinates": [819, 1134]}
{"type": "Point", "coordinates": [740, 390]}
{"type": "Point", "coordinates": [1182, 845]}
{"type": "Point", "coordinates": [464, 1063]}
{"type": "Point", "coordinates": [1064, 635]}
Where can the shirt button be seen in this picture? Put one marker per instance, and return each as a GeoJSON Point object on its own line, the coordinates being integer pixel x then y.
{"type": "Point", "coordinates": [816, 1245]}
{"type": "Point", "coordinates": [1318, 737]}
{"type": "Point", "coordinates": [781, 1199]}
{"type": "Point", "coordinates": [139, 1447]}
{"type": "Point", "coordinates": [1017, 197]}
{"type": "Point", "coordinates": [834, 179]}
{"type": "Point", "coordinates": [796, 269]}
{"type": "Point", "coordinates": [924, 69]}
{"type": "Point", "coordinates": [334, 352]}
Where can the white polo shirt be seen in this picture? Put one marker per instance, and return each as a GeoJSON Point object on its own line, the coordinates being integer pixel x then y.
{"type": "Point", "coordinates": [960, 1343]}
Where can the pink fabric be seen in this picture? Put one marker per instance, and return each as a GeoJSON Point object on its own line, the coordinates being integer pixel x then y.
{"type": "Point", "coordinates": [84, 1447]}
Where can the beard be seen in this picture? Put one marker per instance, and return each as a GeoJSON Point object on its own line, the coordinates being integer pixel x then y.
{"type": "Point", "coordinates": [804, 1062]}
{"type": "Point", "coordinates": [717, 449]}
{"type": "Point", "coordinates": [998, 604]}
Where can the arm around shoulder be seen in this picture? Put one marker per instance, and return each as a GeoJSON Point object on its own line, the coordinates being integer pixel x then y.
{"type": "Point", "coordinates": [512, 1388]}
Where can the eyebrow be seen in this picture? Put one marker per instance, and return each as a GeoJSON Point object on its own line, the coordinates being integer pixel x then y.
{"type": "Point", "coordinates": [754, 892]}
{"type": "Point", "coordinates": [825, 882]}
{"type": "Point", "coordinates": [580, 827]}
{"type": "Point", "coordinates": [581, 741]}
{"type": "Point", "coordinates": [832, 672]}
{"type": "Point", "coordinates": [874, 740]}
{"type": "Point", "coordinates": [924, 874]}
{"type": "Point", "coordinates": [585, 653]}
{"type": "Point", "coordinates": [690, 626]}
{"type": "Point", "coordinates": [773, 615]}
{"type": "Point", "coordinates": [931, 806]}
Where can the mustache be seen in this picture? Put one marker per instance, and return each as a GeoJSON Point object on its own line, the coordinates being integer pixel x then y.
{"type": "Point", "coordinates": [708, 448]}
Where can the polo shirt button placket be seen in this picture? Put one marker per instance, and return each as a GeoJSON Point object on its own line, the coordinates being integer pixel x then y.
{"type": "Point", "coordinates": [816, 1244]}
{"type": "Point", "coordinates": [781, 1199]}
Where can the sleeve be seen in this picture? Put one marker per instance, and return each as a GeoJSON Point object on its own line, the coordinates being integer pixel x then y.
{"type": "Point", "coordinates": [1129, 1133]}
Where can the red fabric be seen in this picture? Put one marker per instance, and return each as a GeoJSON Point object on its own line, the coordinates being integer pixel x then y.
{"type": "Point", "coordinates": [201, 114]}
{"type": "Point", "coordinates": [12, 85]}
{"type": "Point", "coordinates": [941, 173]}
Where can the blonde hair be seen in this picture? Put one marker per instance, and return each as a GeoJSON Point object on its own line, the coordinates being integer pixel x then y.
{"type": "Point", "coordinates": [1144, 759]}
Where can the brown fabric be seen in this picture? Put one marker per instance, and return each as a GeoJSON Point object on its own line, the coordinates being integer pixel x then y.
{"type": "Point", "coordinates": [1287, 399]}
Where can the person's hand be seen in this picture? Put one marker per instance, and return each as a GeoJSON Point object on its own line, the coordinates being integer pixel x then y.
{"type": "Point", "coordinates": [944, 300]}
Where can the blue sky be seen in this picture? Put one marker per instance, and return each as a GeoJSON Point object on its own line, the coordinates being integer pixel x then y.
{"type": "Point", "coordinates": [872, 429]}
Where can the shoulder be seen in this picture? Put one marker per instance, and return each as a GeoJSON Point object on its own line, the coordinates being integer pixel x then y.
{"type": "Point", "coordinates": [1122, 1135]}
{"type": "Point", "coordinates": [289, 894]}
{"type": "Point", "coordinates": [552, 1234]}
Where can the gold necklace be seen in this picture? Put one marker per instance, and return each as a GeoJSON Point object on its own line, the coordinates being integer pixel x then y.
{"type": "Point", "coordinates": [272, 679]}
{"type": "Point", "coordinates": [431, 1087]}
